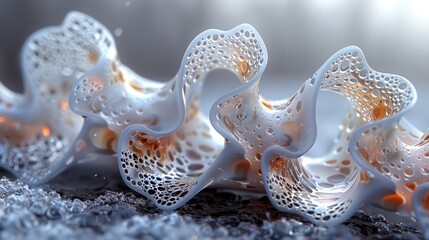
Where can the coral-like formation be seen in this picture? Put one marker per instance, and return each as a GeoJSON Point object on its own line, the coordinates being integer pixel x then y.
{"type": "Point", "coordinates": [38, 131]}
{"type": "Point", "coordinates": [168, 150]}
{"type": "Point", "coordinates": [330, 188]}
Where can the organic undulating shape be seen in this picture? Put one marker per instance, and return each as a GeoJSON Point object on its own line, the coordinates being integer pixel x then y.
{"type": "Point", "coordinates": [329, 189]}
{"type": "Point", "coordinates": [168, 150]}
{"type": "Point", "coordinates": [38, 131]}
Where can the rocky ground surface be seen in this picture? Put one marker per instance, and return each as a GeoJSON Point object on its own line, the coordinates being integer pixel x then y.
{"type": "Point", "coordinates": [98, 206]}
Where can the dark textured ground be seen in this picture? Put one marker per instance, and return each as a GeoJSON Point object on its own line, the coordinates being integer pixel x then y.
{"type": "Point", "coordinates": [95, 204]}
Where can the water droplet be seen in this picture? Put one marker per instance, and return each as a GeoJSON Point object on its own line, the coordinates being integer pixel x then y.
{"type": "Point", "coordinates": [118, 32]}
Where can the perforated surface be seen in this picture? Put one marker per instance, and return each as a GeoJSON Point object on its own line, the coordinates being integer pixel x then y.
{"type": "Point", "coordinates": [169, 151]}
{"type": "Point", "coordinates": [37, 128]}
{"type": "Point", "coordinates": [330, 188]}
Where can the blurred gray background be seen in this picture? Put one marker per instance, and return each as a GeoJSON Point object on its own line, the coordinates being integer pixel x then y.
{"type": "Point", "coordinates": [300, 35]}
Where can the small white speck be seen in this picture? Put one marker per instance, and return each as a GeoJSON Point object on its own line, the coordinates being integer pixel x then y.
{"type": "Point", "coordinates": [67, 72]}
{"type": "Point", "coordinates": [117, 32]}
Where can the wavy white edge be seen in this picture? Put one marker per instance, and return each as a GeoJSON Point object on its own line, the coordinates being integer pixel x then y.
{"type": "Point", "coordinates": [380, 184]}
{"type": "Point", "coordinates": [233, 149]}
{"type": "Point", "coordinates": [27, 103]}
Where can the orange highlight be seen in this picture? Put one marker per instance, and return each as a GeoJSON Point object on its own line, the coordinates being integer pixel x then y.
{"type": "Point", "coordinates": [46, 131]}
{"type": "Point", "coordinates": [243, 66]}
{"type": "Point", "coordinates": [393, 201]}
{"type": "Point", "coordinates": [379, 112]}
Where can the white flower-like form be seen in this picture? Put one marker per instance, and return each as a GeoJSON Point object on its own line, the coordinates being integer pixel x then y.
{"type": "Point", "coordinates": [168, 150]}
{"type": "Point", "coordinates": [38, 131]}
{"type": "Point", "coordinates": [331, 188]}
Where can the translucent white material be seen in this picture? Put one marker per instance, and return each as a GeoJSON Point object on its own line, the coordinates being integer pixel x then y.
{"type": "Point", "coordinates": [169, 151]}
{"type": "Point", "coordinates": [421, 207]}
{"type": "Point", "coordinates": [329, 189]}
{"type": "Point", "coordinates": [168, 148]}
{"type": "Point", "coordinates": [38, 131]}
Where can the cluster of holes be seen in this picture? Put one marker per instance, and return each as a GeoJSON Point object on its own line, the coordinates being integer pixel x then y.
{"type": "Point", "coordinates": [405, 164]}
{"type": "Point", "coordinates": [341, 170]}
{"type": "Point", "coordinates": [86, 89]}
{"type": "Point", "coordinates": [88, 86]}
{"type": "Point", "coordinates": [52, 60]}
{"type": "Point", "coordinates": [167, 168]}
{"type": "Point", "coordinates": [240, 52]}
{"type": "Point", "coordinates": [293, 189]}
{"type": "Point", "coordinates": [101, 103]}
{"type": "Point", "coordinates": [299, 184]}
{"type": "Point", "coordinates": [165, 190]}
{"type": "Point", "coordinates": [99, 96]}
{"type": "Point", "coordinates": [67, 51]}
{"type": "Point", "coordinates": [375, 95]}
{"type": "Point", "coordinates": [257, 125]}
{"type": "Point", "coordinates": [55, 58]}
